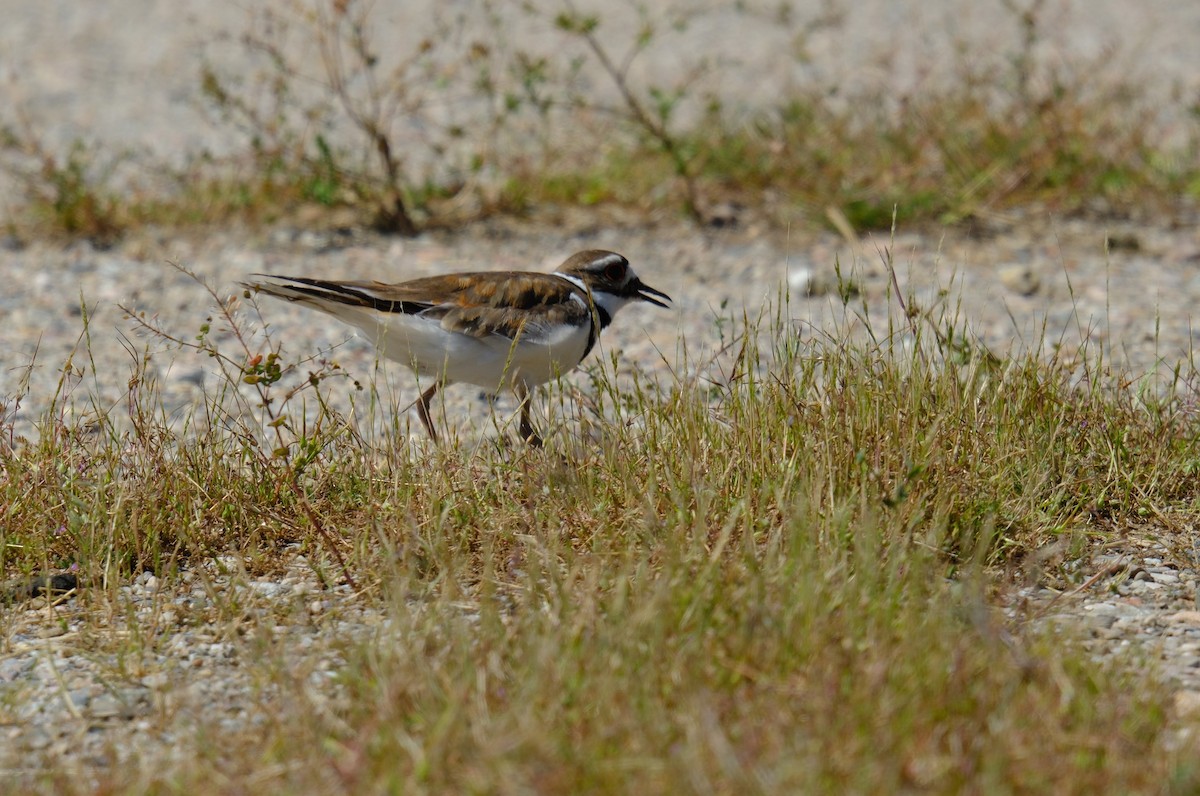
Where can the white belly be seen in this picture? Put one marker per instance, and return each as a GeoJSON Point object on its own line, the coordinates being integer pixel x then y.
{"type": "Point", "coordinates": [493, 363]}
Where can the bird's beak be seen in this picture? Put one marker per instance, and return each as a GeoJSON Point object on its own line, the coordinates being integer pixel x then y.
{"type": "Point", "coordinates": [647, 293]}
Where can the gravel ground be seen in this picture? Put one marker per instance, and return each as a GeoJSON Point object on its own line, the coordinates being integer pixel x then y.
{"type": "Point", "coordinates": [77, 692]}
{"type": "Point", "coordinates": [125, 73]}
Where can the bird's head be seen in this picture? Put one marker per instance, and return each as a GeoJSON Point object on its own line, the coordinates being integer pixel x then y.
{"type": "Point", "coordinates": [609, 279]}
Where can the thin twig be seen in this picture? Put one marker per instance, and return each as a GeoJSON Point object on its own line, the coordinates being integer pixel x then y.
{"type": "Point", "coordinates": [323, 533]}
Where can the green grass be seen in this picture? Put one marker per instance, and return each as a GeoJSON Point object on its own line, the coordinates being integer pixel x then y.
{"type": "Point", "coordinates": [780, 578]}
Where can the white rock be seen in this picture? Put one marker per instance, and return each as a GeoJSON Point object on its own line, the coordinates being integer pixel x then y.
{"type": "Point", "coordinates": [1019, 278]}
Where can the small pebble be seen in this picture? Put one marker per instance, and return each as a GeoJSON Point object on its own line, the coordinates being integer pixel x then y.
{"type": "Point", "coordinates": [1020, 279]}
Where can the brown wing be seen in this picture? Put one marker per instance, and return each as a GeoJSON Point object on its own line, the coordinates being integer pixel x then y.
{"type": "Point", "coordinates": [506, 303]}
{"type": "Point", "coordinates": [510, 305]}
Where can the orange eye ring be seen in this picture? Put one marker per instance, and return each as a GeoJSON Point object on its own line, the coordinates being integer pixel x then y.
{"type": "Point", "coordinates": [615, 272]}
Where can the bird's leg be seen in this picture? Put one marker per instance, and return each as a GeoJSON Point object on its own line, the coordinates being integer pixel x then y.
{"type": "Point", "coordinates": [423, 410]}
{"type": "Point", "coordinates": [526, 428]}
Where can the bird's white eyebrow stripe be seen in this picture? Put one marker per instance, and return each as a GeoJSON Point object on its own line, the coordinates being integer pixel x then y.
{"type": "Point", "coordinates": [610, 259]}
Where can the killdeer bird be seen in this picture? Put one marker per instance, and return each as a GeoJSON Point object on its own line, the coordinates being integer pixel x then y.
{"type": "Point", "coordinates": [497, 330]}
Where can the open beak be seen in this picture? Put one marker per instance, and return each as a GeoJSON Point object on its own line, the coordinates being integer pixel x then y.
{"type": "Point", "coordinates": [647, 293]}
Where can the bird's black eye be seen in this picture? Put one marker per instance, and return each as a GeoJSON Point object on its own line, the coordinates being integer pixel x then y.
{"type": "Point", "coordinates": [615, 272]}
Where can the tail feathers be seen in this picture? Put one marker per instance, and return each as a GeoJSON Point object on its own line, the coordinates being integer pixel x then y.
{"type": "Point", "coordinates": [330, 296]}
{"type": "Point", "coordinates": [316, 293]}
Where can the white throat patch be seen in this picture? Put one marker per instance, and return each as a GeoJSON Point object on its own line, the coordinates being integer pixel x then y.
{"type": "Point", "coordinates": [608, 302]}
